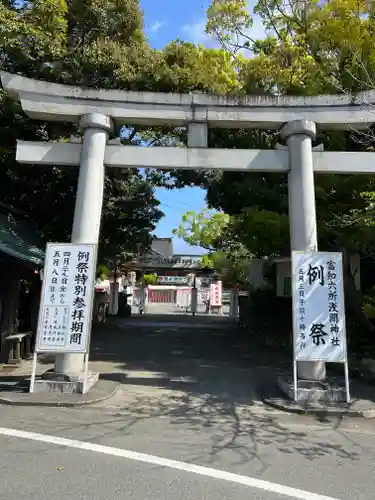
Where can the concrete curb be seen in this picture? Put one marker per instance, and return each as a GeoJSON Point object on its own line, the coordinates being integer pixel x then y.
{"type": "Point", "coordinates": [65, 401]}
{"type": "Point", "coordinates": [320, 411]}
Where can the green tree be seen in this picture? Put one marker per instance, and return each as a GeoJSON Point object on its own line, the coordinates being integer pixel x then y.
{"type": "Point", "coordinates": [217, 233]}
{"type": "Point", "coordinates": [149, 279]}
{"type": "Point", "coordinates": [310, 48]}
{"type": "Point", "coordinates": [95, 44]}
{"type": "Point", "coordinates": [84, 43]}
{"type": "Point", "coordinates": [204, 229]}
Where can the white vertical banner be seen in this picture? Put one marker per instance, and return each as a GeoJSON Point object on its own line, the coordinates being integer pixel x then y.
{"type": "Point", "coordinates": [67, 295]}
{"type": "Point", "coordinates": [216, 294]}
{"type": "Point", "coordinates": [318, 307]}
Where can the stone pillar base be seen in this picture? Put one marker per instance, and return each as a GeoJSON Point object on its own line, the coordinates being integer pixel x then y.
{"type": "Point", "coordinates": [311, 391]}
{"type": "Point", "coordinates": [61, 383]}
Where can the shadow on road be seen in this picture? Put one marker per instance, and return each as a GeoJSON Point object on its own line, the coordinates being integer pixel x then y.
{"type": "Point", "coordinates": [216, 428]}
{"type": "Point", "coordinates": [199, 376]}
{"type": "Point", "coordinates": [196, 355]}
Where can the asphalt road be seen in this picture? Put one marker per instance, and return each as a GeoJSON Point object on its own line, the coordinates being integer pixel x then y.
{"type": "Point", "coordinates": [161, 443]}
{"type": "Point", "coordinates": [37, 471]}
{"type": "Point", "coordinates": [283, 451]}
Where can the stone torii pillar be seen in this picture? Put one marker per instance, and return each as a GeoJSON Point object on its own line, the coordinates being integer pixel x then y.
{"type": "Point", "coordinates": [87, 211]}
{"type": "Point", "coordinates": [298, 136]}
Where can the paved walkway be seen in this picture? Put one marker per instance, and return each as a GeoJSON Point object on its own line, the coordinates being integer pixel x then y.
{"type": "Point", "coordinates": [195, 360]}
{"type": "Point", "coordinates": [176, 361]}
{"type": "Point", "coordinates": [157, 354]}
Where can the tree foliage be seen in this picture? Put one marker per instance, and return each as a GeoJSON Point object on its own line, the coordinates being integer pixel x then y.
{"type": "Point", "coordinates": [95, 44]}
{"type": "Point", "coordinates": [149, 279]}
{"type": "Point", "coordinates": [310, 48]}
{"type": "Point", "coordinates": [205, 229]}
{"type": "Point", "coordinates": [83, 43]}
{"type": "Point", "coordinates": [217, 232]}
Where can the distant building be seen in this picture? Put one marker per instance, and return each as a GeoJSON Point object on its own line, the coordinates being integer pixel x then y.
{"type": "Point", "coordinates": [162, 246]}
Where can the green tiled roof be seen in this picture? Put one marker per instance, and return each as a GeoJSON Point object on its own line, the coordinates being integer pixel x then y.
{"type": "Point", "coordinates": [19, 239]}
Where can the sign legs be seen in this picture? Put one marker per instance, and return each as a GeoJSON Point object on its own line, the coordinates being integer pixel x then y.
{"type": "Point", "coordinates": [33, 371]}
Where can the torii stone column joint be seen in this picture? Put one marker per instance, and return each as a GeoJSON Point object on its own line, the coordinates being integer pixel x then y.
{"type": "Point", "coordinates": [298, 136]}
{"type": "Point", "coordinates": [197, 135]}
{"type": "Point", "coordinates": [88, 208]}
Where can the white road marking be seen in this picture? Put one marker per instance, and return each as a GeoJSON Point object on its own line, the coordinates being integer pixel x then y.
{"type": "Point", "coordinates": [166, 462]}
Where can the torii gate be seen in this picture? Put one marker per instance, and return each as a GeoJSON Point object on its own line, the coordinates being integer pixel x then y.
{"type": "Point", "coordinates": [99, 111]}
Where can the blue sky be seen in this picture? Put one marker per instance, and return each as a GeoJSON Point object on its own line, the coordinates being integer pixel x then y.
{"type": "Point", "coordinates": [166, 20]}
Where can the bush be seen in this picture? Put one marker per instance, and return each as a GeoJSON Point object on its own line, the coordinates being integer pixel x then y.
{"type": "Point", "coordinates": [267, 317]}
{"type": "Point", "coordinates": [369, 304]}
{"type": "Point", "coordinates": [369, 310]}
{"type": "Point", "coordinates": [149, 279]}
